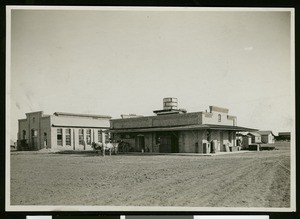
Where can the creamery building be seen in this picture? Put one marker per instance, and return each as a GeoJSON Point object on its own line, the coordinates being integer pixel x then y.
{"type": "Point", "coordinates": [61, 131]}
{"type": "Point", "coordinates": [174, 130]}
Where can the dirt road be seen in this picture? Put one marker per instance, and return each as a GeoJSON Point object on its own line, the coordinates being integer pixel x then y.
{"type": "Point", "coordinates": [253, 179]}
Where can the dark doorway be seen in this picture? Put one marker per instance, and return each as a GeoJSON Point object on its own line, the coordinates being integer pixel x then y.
{"type": "Point", "coordinates": [168, 142]}
{"type": "Point", "coordinates": [34, 142]}
{"type": "Point", "coordinates": [141, 142]}
{"type": "Point", "coordinates": [45, 139]}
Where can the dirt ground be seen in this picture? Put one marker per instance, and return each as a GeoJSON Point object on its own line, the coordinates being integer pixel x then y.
{"type": "Point", "coordinates": [252, 179]}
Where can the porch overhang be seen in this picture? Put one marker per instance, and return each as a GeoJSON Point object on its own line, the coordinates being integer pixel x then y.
{"type": "Point", "coordinates": [185, 128]}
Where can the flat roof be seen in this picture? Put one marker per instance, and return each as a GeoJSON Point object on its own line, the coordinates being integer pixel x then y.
{"type": "Point", "coordinates": [81, 115]}
{"type": "Point", "coordinates": [80, 126]}
{"type": "Point", "coordinates": [155, 116]}
{"type": "Point", "coordinates": [184, 128]}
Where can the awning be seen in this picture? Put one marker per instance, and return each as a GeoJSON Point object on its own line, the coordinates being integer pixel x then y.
{"type": "Point", "coordinates": [184, 128]}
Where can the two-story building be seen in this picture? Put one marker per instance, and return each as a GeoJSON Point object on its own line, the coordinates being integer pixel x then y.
{"type": "Point", "coordinates": [174, 130]}
{"type": "Point", "coordinates": [61, 131]}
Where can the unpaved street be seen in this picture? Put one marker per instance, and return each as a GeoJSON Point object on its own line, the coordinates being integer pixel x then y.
{"type": "Point", "coordinates": [252, 179]}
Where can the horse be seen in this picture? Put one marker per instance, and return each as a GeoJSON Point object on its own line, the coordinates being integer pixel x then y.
{"type": "Point", "coordinates": [114, 147]}
{"type": "Point", "coordinates": [103, 147]}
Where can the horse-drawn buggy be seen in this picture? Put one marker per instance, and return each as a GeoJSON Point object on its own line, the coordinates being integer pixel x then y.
{"type": "Point", "coordinates": [111, 147]}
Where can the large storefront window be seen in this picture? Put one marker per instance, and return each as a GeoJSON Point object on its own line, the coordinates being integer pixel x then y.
{"type": "Point", "coordinates": [88, 136]}
{"type": "Point", "coordinates": [81, 140]}
{"type": "Point", "coordinates": [68, 137]}
{"type": "Point", "coordinates": [59, 137]}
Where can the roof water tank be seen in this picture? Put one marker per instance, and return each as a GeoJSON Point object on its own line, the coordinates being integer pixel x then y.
{"type": "Point", "coordinates": [170, 103]}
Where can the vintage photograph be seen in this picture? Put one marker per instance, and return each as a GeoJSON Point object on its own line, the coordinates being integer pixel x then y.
{"type": "Point", "coordinates": [150, 109]}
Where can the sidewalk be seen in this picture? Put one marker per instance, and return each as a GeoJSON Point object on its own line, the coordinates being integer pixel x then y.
{"type": "Point", "coordinates": [182, 154]}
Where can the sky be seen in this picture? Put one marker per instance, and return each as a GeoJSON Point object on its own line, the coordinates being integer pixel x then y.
{"type": "Point", "coordinates": [113, 62]}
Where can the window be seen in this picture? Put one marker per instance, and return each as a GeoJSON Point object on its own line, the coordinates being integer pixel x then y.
{"type": "Point", "coordinates": [80, 134]}
{"type": "Point", "coordinates": [99, 135]}
{"type": "Point", "coordinates": [24, 134]}
{"type": "Point", "coordinates": [59, 137]}
{"type": "Point", "coordinates": [33, 119]}
{"type": "Point", "coordinates": [33, 133]}
{"type": "Point", "coordinates": [88, 136]}
{"type": "Point", "coordinates": [219, 118]}
{"type": "Point", "coordinates": [68, 137]}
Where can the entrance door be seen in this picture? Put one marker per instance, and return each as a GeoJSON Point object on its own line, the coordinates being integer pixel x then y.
{"type": "Point", "coordinates": [168, 143]}
{"type": "Point", "coordinates": [45, 139]}
{"type": "Point", "coordinates": [165, 144]}
{"type": "Point", "coordinates": [221, 141]}
{"type": "Point", "coordinates": [141, 143]}
{"type": "Point", "coordinates": [33, 139]}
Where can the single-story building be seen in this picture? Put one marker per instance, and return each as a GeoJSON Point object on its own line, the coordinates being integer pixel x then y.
{"type": "Point", "coordinates": [61, 131]}
{"type": "Point", "coordinates": [246, 140]}
{"type": "Point", "coordinates": [255, 137]}
{"type": "Point", "coordinates": [174, 130]}
{"type": "Point", "coordinates": [12, 145]}
{"type": "Point", "coordinates": [267, 137]}
{"type": "Point", "coordinates": [284, 136]}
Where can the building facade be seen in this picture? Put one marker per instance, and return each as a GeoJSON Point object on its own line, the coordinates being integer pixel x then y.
{"type": "Point", "coordinates": [267, 137]}
{"type": "Point", "coordinates": [286, 136]}
{"type": "Point", "coordinates": [255, 137]}
{"type": "Point", "coordinates": [173, 130]}
{"type": "Point", "coordinates": [61, 131]}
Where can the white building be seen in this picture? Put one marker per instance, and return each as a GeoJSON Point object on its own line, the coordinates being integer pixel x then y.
{"type": "Point", "coordinates": [61, 131]}
{"type": "Point", "coordinates": [267, 137]}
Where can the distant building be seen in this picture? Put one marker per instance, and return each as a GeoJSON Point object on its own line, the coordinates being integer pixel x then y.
{"type": "Point", "coordinates": [12, 145]}
{"type": "Point", "coordinates": [284, 136]}
{"type": "Point", "coordinates": [246, 140]}
{"type": "Point", "coordinates": [174, 130]}
{"type": "Point", "coordinates": [267, 137]}
{"type": "Point", "coordinates": [255, 137]}
{"type": "Point", "coordinates": [61, 131]}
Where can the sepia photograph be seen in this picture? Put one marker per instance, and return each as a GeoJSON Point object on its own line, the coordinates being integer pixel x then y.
{"type": "Point", "coordinates": [150, 109]}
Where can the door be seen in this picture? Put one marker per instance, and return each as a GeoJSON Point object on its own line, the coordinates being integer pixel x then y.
{"type": "Point", "coordinates": [45, 139]}
{"type": "Point", "coordinates": [141, 143]}
{"type": "Point", "coordinates": [222, 148]}
{"type": "Point", "coordinates": [168, 143]}
{"type": "Point", "coordinates": [165, 144]}
{"type": "Point", "coordinates": [33, 139]}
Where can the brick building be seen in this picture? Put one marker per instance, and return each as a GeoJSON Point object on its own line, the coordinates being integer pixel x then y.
{"type": "Point", "coordinates": [174, 130]}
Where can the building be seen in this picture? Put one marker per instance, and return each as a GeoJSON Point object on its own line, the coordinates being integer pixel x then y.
{"type": "Point", "coordinates": [267, 137]}
{"type": "Point", "coordinates": [255, 137]}
{"type": "Point", "coordinates": [12, 145]}
{"type": "Point", "coordinates": [283, 136]}
{"type": "Point", "coordinates": [174, 130]}
{"type": "Point", "coordinates": [246, 140]}
{"type": "Point", "coordinates": [61, 131]}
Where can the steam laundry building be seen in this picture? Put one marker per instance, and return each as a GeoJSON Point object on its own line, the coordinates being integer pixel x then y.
{"type": "Point", "coordinates": [61, 131]}
{"type": "Point", "coordinates": [173, 130]}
